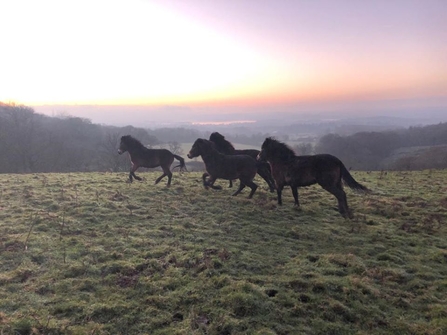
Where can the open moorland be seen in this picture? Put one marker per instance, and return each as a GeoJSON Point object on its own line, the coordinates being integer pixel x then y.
{"type": "Point", "coordinates": [88, 253]}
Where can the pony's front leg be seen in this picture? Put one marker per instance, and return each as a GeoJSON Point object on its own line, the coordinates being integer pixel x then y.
{"type": "Point", "coordinates": [132, 173]}
{"type": "Point", "coordinates": [211, 181]}
{"type": "Point", "coordinates": [295, 195]}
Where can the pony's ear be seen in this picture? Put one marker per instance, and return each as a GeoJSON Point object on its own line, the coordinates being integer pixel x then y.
{"type": "Point", "coordinates": [217, 136]}
{"type": "Point", "coordinates": [270, 140]}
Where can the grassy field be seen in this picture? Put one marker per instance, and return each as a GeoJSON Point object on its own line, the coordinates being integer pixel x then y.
{"type": "Point", "coordinates": [87, 253]}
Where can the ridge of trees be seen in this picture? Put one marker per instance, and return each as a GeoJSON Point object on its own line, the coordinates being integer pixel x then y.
{"type": "Point", "coordinates": [31, 142]}
{"type": "Point", "coordinates": [426, 148]}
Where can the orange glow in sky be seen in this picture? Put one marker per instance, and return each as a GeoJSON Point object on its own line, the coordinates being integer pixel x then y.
{"type": "Point", "coordinates": [220, 52]}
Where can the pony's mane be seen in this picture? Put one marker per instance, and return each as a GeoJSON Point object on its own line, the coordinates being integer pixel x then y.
{"type": "Point", "coordinates": [279, 148]}
{"type": "Point", "coordinates": [221, 143]}
{"type": "Point", "coordinates": [209, 144]}
{"type": "Point", "coordinates": [132, 142]}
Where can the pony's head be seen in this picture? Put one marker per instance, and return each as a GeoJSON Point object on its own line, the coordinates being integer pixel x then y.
{"type": "Point", "coordinates": [216, 137]}
{"type": "Point", "coordinates": [199, 147]}
{"type": "Point", "coordinates": [272, 148]}
{"type": "Point", "coordinates": [266, 149]}
{"type": "Point", "coordinates": [124, 144]}
{"type": "Point", "coordinates": [128, 142]}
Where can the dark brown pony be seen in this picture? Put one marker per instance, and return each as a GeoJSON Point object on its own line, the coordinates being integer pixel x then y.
{"type": "Point", "coordinates": [149, 158]}
{"type": "Point", "coordinates": [218, 165]}
{"type": "Point", "coordinates": [225, 147]}
{"type": "Point", "coordinates": [326, 170]}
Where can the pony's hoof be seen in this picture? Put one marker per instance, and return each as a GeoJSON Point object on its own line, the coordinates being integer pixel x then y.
{"type": "Point", "coordinates": [347, 215]}
{"type": "Point", "coordinates": [217, 187]}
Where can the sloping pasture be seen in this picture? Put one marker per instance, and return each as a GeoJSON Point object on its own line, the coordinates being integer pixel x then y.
{"type": "Point", "coordinates": [87, 253]}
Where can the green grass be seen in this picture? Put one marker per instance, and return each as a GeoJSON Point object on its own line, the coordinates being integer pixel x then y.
{"type": "Point", "coordinates": [87, 253]}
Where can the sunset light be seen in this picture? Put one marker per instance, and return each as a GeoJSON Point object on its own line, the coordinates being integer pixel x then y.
{"type": "Point", "coordinates": [206, 53]}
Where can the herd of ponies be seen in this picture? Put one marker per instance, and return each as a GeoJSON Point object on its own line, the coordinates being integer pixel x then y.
{"type": "Point", "coordinates": [276, 163]}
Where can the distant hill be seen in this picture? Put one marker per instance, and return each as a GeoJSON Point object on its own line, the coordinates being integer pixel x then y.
{"type": "Point", "coordinates": [412, 148]}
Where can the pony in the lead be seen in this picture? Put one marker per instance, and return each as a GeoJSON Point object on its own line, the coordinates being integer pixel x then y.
{"type": "Point", "coordinates": [323, 169]}
{"type": "Point", "coordinates": [140, 156]}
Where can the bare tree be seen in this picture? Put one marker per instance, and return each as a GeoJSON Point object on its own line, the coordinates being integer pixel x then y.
{"type": "Point", "coordinates": [303, 149]}
{"type": "Point", "coordinates": [111, 161]}
{"type": "Point", "coordinates": [175, 148]}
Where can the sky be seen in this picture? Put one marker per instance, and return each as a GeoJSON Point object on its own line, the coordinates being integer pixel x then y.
{"type": "Point", "coordinates": [223, 56]}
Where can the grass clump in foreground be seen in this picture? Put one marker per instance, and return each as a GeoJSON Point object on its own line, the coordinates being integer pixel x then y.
{"type": "Point", "coordinates": [87, 253]}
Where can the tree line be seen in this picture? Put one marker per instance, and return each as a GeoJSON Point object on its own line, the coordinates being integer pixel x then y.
{"type": "Point", "coordinates": [31, 142]}
{"type": "Point", "coordinates": [414, 148]}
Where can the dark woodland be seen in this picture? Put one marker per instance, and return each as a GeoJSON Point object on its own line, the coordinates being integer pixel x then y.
{"type": "Point", "coordinates": [33, 143]}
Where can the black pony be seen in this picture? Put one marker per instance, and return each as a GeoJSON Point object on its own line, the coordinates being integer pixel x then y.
{"type": "Point", "coordinates": [326, 170]}
{"type": "Point", "coordinates": [218, 165]}
{"type": "Point", "coordinates": [225, 147]}
{"type": "Point", "coordinates": [149, 158]}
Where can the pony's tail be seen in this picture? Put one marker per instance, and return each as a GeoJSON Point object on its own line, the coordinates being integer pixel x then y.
{"type": "Point", "coordinates": [181, 165]}
{"type": "Point", "coordinates": [351, 182]}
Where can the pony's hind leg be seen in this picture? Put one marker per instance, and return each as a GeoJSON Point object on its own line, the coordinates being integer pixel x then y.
{"type": "Point", "coordinates": [166, 172]}
{"type": "Point", "coordinates": [342, 200]}
{"type": "Point", "coordinates": [160, 178]}
{"type": "Point", "coordinates": [169, 178]}
{"type": "Point", "coordinates": [279, 189]}
{"type": "Point", "coordinates": [240, 188]}
{"type": "Point", "coordinates": [253, 187]}
{"type": "Point", "coordinates": [295, 195]}
{"type": "Point", "coordinates": [205, 182]}
{"type": "Point", "coordinates": [135, 176]}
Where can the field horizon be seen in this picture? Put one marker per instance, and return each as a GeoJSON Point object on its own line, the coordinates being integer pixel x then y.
{"type": "Point", "coordinates": [88, 253]}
